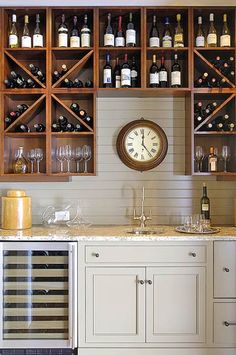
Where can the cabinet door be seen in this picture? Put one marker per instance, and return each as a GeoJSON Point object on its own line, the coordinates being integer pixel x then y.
{"type": "Point", "coordinates": [176, 304]}
{"type": "Point", "coordinates": [38, 287]}
{"type": "Point", "coordinates": [115, 304]}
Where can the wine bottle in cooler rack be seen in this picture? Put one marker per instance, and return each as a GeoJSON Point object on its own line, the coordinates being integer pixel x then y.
{"type": "Point", "coordinates": [201, 81]}
{"type": "Point", "coordinates": [75, 107]}
{"type": "Point", "coordinates": [37, 36]}
{"type": "Point", "coordinates": [130, 32]}
{"type": "Point", "coordinates": [212, 33]}
{"type": "Point", "coordinates": [179, 34]}
{"type": "Point", "coordinates": [117, 75]}
{"type": "Point", "coordinates": [13, 33]}
{"type": "Point", "coordinates": [154, 37]}
{"type": "Point", "coordinates": [205, 203]}
{"type": "Point", "coordinates": [211, 106]}
{"type": "Point", "coordinates": [82, 113]}
{"type": "Point", "coordinates": [212, 161]}
{"type": "Point", "coordinates": [109, 38]}
{"type": "Point", "coordinates": [163, 74]}
{"type": "Point", "coordinates": [22, 128]}
{"type": "Point", "coordinates": [120, 37]}
{"type": "Point", "coordinates": [107, 74]}
{"type": "Point", "coordinates": [85, 33]}
{"type": "Point", "coordinates": [63, 32]}
{"type": "Point", "coordinates": [125, 73]}
{"type": "Point", "coordinates": [78, 83]}
{"type": "Point", "coordinates": [200, 37]}
{"type": "Point", "coordinates": [26, 41]}
{"type": "Point", "coordinates": [225, 37]}
{"type": "Point", "coordinates": [39, 127]}
{"type": "Point", "coordinates": [154, 73]}
{"type": "Point", "coordinates": [134, 73]}
{"type": "Point", "coordinates": [167, 37]}
{"type": "Point", "coordinates": [74, 35]}
{"type": "Point", "coordinates": [176, 81]}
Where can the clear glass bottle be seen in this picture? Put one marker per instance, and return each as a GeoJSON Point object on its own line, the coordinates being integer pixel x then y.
{"type": "Point", "coordinates": [63, 33]}
{"type": "Point", "coordinates": [167, 37]}
{"type": "Point", "coordinates": [179, 34]}
{"type": "Point", "coordinates": [74, 35]}
{"type": "Point", "coordinates": [13, 34]}
{"type": "Point", "coordinates": [130, 32]}
{"type": "Point", "coordinates": [85, 33]}
{"type": "Point", "coordinates": [212, 33]}
{"type": "Point", "coordinates": [20, 165]}
{"type": "Point", "coordinates": [37, 37]}
{"type": "Point", "coordinates": [26, 38]}
{"type": "Point", "coordinates": [225, 38]}
{"type": "Point", "coordinates": [200, 37]}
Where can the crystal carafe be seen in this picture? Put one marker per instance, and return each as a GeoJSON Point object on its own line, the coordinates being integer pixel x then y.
{"type": "Point", "coordinates": [20, 165]}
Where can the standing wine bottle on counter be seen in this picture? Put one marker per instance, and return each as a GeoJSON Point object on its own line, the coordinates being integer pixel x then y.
{"type": "Point", "coordinates": [74, 35]}
{"type": "Point", "coordinates": [167, 37]}
{"type": "Point", "coordinates": [134, 73]}
{"type": "Point", "coordinates": [154, 73]}
{"type": "Point", "coordinates": [37, 36]}
{"type": "Point", "coordinates": [107, 76]}
{"type": "Point", "coordinates": [176, 81]}
{"type": "Point", "coordinates": [200, 38]}
{"type": "Point", "coordinates": [205, 203]}
{"type": "Point", "coordinates": [109, 39]}
{"type": "Point", "coordinates": [120, 38]}
{"type": "Point", "coordinates": [163, 74]}
{"type": "Point", "coordinates": [13, 33]}
{"type": "Point", "coordinates": [225, 38]}
{"type": "Point", "coordinates": [130, 32]}
{"type": "Point", "coordinates": [212, 33]}
{"type": "Point", "coordinates": [117, 75]}
{"type": "Point", "coordinates": [125, 73]}
{"type": "Point", "coordinates": [179, 34]}
{"type": "Point", "coordinates": [85, 33]}
{"type": "Point", "coordinates": [63, 33]}
{"type": "Point", "coordinates": [154, 37]}
{"type": "Point", "coordinates": [26, 38]}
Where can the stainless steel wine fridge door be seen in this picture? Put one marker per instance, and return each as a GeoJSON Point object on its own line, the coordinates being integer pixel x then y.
{"type": "Point", "coordinates": [39, 294]}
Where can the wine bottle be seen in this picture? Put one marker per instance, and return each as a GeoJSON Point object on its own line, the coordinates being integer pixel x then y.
{"type": "Point", "coordinates": [154, 37]}
{"type": "Point", "coordinates": [75, 107]}
{"type": "Point", "coordinates": [212, 33]}
{"type": "Point", "coordinates": [205, 203]}
{"type": "Point", "coordinates": [125, 73]}
{"type": "Point", "coordinates": [89, 120]}
{"type": "Point", "coordinates": [107, 76]}
{"type": "Point", "coordinates": [56, 127]}
{"type": "Point", "coordinates": [212, 161]}
{"type": "Point", "coordinates": [198, 107]}
{"type": "Point", "coordinates": [79, 127]}
{"type": "Point", "coordinates": [22, 108]}
{"type": "Point", "coordinates": [213, 83]}
{"type": "Point", "coordinates": [62, 121]}
{"type": "Point", "coordinates": [78, 83]}
{"type": "Point", "coordinates": [62, 33]}
{"type": "Point", "coordinates": [176, 73]}
{"type": "Point", "coordinates": [22, 128]}
{"type": "Point", "coordinates": [130, 32]}
{"type": "Point", "coordinates": [198, 118]}
{"type": "Point", "coordinates": [200, 38]}
{"type": "Point", "coordinates": [134, 74]}
{"type": "Point", "coordinates": [13, 34]}
{"type": "Point", "coordinates": [26, 38]}
{"type": "Point", "coordinates": [117, 75]}
{"type": "Point", "coordinates": [14, 114]}
{"type": "Point", "coordinates": [209, 126]}
{"type": "Point", "coordinates": [55, 76]}
{"type": "Point", "coordinates": [163, 75]}
{"type": "Point", "coordinates": [34, 69]}
{"type": "Point", "coordinates": [37, 36]}
{"type": "Point", "coordinates": [154, 73]}
{"type": "Point", "coordinates": [82, 113]}
{"type": "Point", "coordinates": [88, 84]}
{"type": "Point", "coordinates": [85, 33]}
{"type": "Point", "coordinates": [167, 37]}
{"type": "Point", "coordinates": [179, 34]}
{"type": "Point", "coordinates": [109, 39]}
{"type": "Point", "coordinates": [205, 112]}
{"type": "Point", "coordinates": [20, 165]}
{"type": "Point", "coordinates": [229, 126]}
{"type": "Point", "coordinates": [8, 121]}
{"type": "Point", "coordinates": [41, 77]}
{"type": "Point", "coordinates": [67, 83]}
{"type": "Point", "coordinates": [64, 69]}
{"type": "Point", "coordinates": [74, 35]}
{"type": "Point", "coordinates": [120, 38]}
{"type": "Point", "coordinates": [39, 127]}
{"type": "Point", "coordinates": [201, 81]}
{"type": "Point", "coordinates": [211, 106]}
{"type": "Point", "coordinates": [69, 127]}
{"type": "Point", "coordinates": [30, 83]}
{"type": "Point", "coordinates": [225, 38]}
{"type": "Point", "coordinates": [10, 84]}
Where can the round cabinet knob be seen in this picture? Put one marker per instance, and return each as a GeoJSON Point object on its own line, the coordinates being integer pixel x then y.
{"type": "Point", "coordinates": [149, 282]}
{"type": "Point", "coordinates": [193, 254]}
{"type": "Point", "coordinates": [226, 269]}
{"type": "Point", "coordinates": [96, 255]}
{"type": "Point", "coordinates": [226, 324]}
{"type": "Point", "coordinates": [141, 282]}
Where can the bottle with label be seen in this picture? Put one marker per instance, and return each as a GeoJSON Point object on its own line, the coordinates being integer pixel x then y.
{"type": "Point", "coordinates": [154, 37]}
{"type": "Point", "coordinates": [176, 73]}
{"type": "Point", "coordinates": [205, 203]}
{"type": "Point", "coordinates": [37, 36]}
{"type": "Point", "coordinates": [63, 33]}
{"type": "Point", "coordinates": [117, 74]}
{"type": "Point", "coordinates": [109, 38]}
{"type": "Point", "coordinates": [74, 35]}
{"type": "Point", "coordinates": [200, 37]}
{"type": "Point", "coordinates": [107, 76]}
{"type": "Point", "coordinates": [26, 38]}
{"type": "Point", "coordinates": [125, 73]}
{"type": "Point", "coordinates": [20, 165]}
{"type": "Point", "coordinates": [85, 33]}
{"type": "Point", "coordinates": [13, 34]}
{"type": "Point", "coordinates": [120, 38]}
{"type": "Point", "coordinates": [179, 34]}
{"type": "Point", "coordinates": [154, 73]}
{"type": "Point", "coordinates": [212, 161]}
{"type": "Point", "coordinates": [212, 33]}
{"type": "Point", "coordinates": [134, 74]}
{"type": "Point", "coordinates": [225, 38]}
{"type": "Point", "coordinates": [130, 32]}
{"type": "Point", "coordinates": [167, 37]}
{"type": "Point", "coordinates": [163, 75]}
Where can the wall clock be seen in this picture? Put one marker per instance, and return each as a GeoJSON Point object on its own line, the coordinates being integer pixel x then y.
{"type": "Point", "coordinates": [142, 144]}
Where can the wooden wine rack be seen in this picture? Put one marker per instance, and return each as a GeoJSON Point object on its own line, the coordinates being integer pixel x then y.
{"type": "Point", "coordinates": [49, 100]}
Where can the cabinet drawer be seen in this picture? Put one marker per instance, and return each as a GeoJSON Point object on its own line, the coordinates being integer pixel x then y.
{"type": "Point", "coordinates": [225, 269]}
{"type": "Point", "coordinates": [225, 323]}
{"type": "Point", "coordinates": [146, 254]}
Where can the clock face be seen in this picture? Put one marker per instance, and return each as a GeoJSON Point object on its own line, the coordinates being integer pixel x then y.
{"type": "Point", "coordinates": [142, 145]}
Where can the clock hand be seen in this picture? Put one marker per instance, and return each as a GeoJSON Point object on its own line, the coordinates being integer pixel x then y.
{"type": "Point", "coordinates": [150, 155]}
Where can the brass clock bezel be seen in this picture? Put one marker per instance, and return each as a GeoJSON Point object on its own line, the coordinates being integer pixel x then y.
{"type": "Point", "coordinates": [127, 159]}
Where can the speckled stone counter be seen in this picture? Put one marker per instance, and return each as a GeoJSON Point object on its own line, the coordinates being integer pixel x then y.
{"type": "Point", "coordinates": [110, 233]}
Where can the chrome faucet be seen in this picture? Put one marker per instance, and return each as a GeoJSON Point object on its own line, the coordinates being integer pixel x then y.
{"type": "Point", "coordinates": [142, 218]}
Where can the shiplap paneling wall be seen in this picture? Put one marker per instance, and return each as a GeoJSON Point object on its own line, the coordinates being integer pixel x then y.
{"type": "Point", "coordinates": [109, 197]}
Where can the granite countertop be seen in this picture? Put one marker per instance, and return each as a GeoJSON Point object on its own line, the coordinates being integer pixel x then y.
{"type": "Point", "coordinates": [110, 233]}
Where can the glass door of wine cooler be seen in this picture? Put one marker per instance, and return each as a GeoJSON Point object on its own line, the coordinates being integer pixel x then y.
{"type": "Point", "coordinates": [38, 287]}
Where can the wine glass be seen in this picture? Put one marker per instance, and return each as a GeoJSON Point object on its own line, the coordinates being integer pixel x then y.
{"type": "Point", "coordinates": [38, 156]}
{"type": "Point", "coordinates": [68, 156]}
{"type": "Point", "coordinates": [78, 154]}
{"type": "Point", "coordinates": [199, 154]}
{"type": "Point", "coordinates": [225, 155]}
{"type": "Point", "coordinates": [87, 155]}
{"type": "Point", "coordinates": [31, 157]}
{"type": "Point", "coordinates": [60, 155]}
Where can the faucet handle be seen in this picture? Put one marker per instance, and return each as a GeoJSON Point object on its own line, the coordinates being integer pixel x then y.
{"type": "Point", "coordinates": [149, 218]}
{"type": "Point", "coordinates": [135, 217]}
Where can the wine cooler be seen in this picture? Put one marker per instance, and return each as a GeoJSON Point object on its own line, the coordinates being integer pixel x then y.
{"type": "Point", "coordinates": [38, 285]}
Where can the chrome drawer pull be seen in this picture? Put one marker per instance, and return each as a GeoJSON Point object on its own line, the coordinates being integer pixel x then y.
{"type": "Point", "coordinates": [149, 282]}
{"type": "Point", "coordinates": [193, 254]}
{"type": "Point", "coordinates": [141, 282]}
{"type": "Point", "coordinates": [96, 255]}
{"type": "Point", "coordinates": [227, 324]}
{"type": "Point", "coordinates": [226, 269]}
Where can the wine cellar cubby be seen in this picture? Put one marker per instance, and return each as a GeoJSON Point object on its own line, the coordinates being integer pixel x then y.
{"type": "Point", "coordinates": [49, 92]}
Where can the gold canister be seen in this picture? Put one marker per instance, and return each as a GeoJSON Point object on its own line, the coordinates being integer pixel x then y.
{"type": "Point", "coordinates": [16, 210]}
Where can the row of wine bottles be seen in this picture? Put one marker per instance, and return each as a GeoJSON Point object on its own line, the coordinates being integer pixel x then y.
{"type": "Point", "coordinates": [219, 124]}
{"type": "Point", "coordinates": [23, 128]}
{"type": "Point", "coordinates": [81, 113]}
{"type": "Point", "coordinates": [76, 83]}
{"type": "Point", "coordinates": [62, 124]}
{"type": "Point", "coordinates": [13, 115]}
{"type": "Point", "coordinates": [158, 77]}
{"type": "Point", "coordinates": [75, 38]}
{"type": "Point", "coordinates": [37, 72]}
{"type": "Point", "coordinates": [225, 66]}
{"type": "Point", "coordinates": [214, 161]}
{"type": "Point", "coordinates": [203, 81]}
{"type": "Point", "coordinates": [15, 80]}
{"type": "Point", "coordinates": [200, 112]}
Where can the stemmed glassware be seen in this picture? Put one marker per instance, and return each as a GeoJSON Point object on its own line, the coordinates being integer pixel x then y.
{"type": "Point", "coordinates": [78, 156]}
{"type": "Point", "coordinates": [68, 156]}
{"type": "Point", "coordinates": [38, 156]}
{"type": "Point", "coordinates": [225, 156]}
{"type": "Point", "coordinates": [199, 155]}
{"type": "Point", "coordinates": [31, 157]}
{"type": "Point", "coordinates": [60, 155]}
{"type": "Point", "coordinates": [87, 155]}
